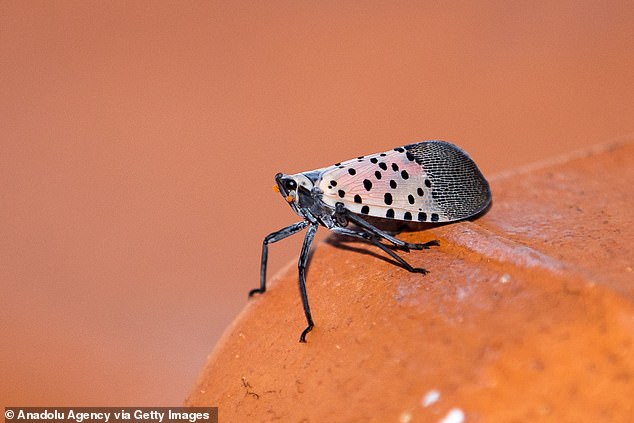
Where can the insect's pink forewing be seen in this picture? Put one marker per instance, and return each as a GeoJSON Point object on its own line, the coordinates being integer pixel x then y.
{"type": "Point", "coordinates": [385, 185]}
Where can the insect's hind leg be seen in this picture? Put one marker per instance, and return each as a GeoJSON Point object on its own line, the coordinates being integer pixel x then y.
{"type": "Point", "coordinates": [372, 238]}
{"type": "Point", "coordinates": [270, 239]}
{"type": "Point", "coordinates": [405, 246]}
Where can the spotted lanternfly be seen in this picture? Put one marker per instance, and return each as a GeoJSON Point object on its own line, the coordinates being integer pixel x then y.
{"type": "Point", "coordinates": [431, 181]}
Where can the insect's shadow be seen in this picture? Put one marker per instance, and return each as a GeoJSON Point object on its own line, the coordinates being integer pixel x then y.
{"type": "Point", "coordinates": [345, 243]}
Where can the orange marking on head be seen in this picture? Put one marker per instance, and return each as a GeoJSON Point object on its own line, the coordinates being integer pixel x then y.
{"type": "Point", "coordinates": [289, 198]}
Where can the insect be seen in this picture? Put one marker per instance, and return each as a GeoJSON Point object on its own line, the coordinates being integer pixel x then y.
{"type": "Point", "coordinates": [430, 181]}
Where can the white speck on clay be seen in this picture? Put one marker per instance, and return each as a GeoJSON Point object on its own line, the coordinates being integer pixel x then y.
{"type": "Point", "coordinates": [405, 417]}
{"type": "Point", "coordinates": [455, 415]}
{"type": "Point", "coordinates": [430, 397]}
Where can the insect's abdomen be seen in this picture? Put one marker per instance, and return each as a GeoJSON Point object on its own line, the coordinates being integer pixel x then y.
{"type": "Point", "coordinates": [431, 181]}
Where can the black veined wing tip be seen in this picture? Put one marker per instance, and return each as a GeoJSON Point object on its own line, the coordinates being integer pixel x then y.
{"type": "Point", "coordinates": [485, 202]}
{"type": "Point", "coordinates": [479, 191]}
{"type": "Point", "coordinates": [459, 188]}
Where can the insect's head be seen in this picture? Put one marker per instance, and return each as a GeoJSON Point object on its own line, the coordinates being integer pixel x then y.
{"type": "Point", "coordinates": [290, 186]}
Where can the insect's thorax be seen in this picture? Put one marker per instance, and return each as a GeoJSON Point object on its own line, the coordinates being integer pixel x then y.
{"type": "Point", "coordinates": [305, 198]}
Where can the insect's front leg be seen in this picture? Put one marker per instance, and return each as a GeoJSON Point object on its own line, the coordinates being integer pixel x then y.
{"type": "Point", "coordinates": [269, 239]}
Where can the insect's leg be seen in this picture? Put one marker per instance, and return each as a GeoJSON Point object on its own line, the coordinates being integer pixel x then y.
{"type": "Point", "coordinates": [349, 232]}
{"type": "Point", "coordinates": [398, 258]}
{"type": "Point", "coordinates": [269, 239]}
{"type": "Point", "coordinates": [303, 260]}
{"type": "Point", "coordinates": [405, 246]}
{"type": "Point", "coordinates": [368, 236]}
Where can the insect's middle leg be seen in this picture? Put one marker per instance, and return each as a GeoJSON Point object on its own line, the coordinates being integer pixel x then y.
{"type": "Point", "coordinates": [372, 238]}
{"type": "Point", "coordinates": [303, 261]}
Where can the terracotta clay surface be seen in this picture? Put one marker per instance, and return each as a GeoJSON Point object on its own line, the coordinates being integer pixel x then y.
{"type": "Point", "coordinates": [527, 315]}
{"type": "Point", "coordinates": [139, 141]}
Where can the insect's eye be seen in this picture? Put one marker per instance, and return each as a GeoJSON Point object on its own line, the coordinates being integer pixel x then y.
{"type": "Point", "coordinates": [290, 184]}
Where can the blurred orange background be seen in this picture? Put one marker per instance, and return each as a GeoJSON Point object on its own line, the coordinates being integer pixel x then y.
{"type": "Point", "coordinates": [139, 141]}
